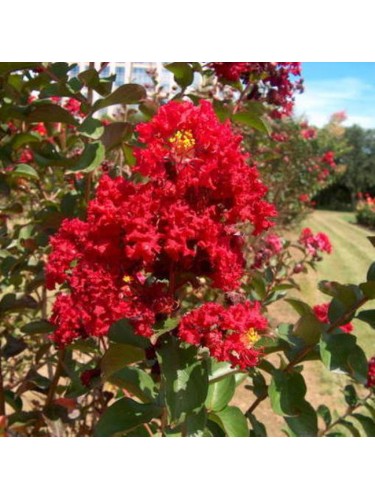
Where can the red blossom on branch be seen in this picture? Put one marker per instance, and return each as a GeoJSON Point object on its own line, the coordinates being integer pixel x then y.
{"type": "Point", "coordinates": [229, 333]}
{"type": "Point", "coordinates": [180, 224]}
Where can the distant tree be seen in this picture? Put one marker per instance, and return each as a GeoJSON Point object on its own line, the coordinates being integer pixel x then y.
{"type": "Point", "coordinates": [360, 161]}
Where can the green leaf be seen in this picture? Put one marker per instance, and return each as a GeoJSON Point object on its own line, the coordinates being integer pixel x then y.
{"type": "Point", "coordinates": [166, 325]}
{"type": "Point", "coordinates": [123, 416]}
{"type": "Point", "coordinates": [325, 413]}
{"type": "Point", "coordinates": [130, 93]}
{"type": "Point", "coordinates": [183, 73]}
{"type": "Point", "coordinates": [299, 306]}
{"type": "Point", "coordinates": [350, 394]}
{"type": "Point", "coordinates": [137, 381]}
{"type": "Point", "coordinates": [368, 289]}
{"type": "Point", "coordinates": [287, 392]}
{"type": "Point", "coordinates": [371, 272]}
{"type": "Point", "coordinates": [25, 171]}
{"type": "Point", "coordinates": [252, 120]}
{"type": "Point", "coordinates": [118, 356]}
{"type": "Point", "coordinates": [220, 393]}
{"type": "Point", "coordinates": [122, 332]}
{"type": "Point", "coordinates": [90, 159]}
{"type": "Point", "coordinates": [305, 424]}
{"type": "Point", "coordinates": [49, 113]}
{"type": "Point", "coordinates": [13, 400]}
{"type": "Point", "coordinates": [340, 353]}
{"type": "Point", "coordinates": [232, 421]}
{"type": "Point", "coordinates": [195, 424]}
{"type": "Point", "coordinates": [91, 127]}
{"type": "Point", "coordinates": [367, 424]}
{"type": "Point", "coordinates": [12, 302]}
{"type": "Point", "coordinates": [8, 67]}
{"type": "Point", "coordinates": [350, 427]}
{"type": "Point", "coordinates": [367, 316]}
{"type": "Point", "coordinates": [115, 133]}
{"type": "Point", "coordinates": [38, 326]}
{"type": "Point", "coordinates": [258, 428]}
{"type": "Point", "coordinates": [308, 328]}
{"type": "Point", "coordinates": [184, 378]}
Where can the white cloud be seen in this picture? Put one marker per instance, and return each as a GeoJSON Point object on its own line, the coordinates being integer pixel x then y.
{"type": "Point", "coordinates": [324, 97]}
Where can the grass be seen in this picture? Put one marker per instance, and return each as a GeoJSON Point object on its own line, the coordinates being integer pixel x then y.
{"type": "Point", "coordinates": [351, 257]}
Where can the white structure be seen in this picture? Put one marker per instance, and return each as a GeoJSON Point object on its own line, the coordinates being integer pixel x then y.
{"type": "Point", "coordinates": [133, 72]}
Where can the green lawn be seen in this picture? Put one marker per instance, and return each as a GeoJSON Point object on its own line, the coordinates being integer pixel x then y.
{"type": "Point", "coordinates": [351, 257]}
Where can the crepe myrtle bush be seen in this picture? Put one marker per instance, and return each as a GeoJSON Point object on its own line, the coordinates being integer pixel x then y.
{"type": "Point", "coordinates": [140, 256]}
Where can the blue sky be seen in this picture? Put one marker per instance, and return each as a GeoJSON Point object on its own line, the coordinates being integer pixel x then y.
{"type": "Point", "coordinates": [331, 87]}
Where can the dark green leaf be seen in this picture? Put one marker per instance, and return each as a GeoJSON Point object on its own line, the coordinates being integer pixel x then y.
{"type": "Point", "coordinates": [122, 332]}
{"type": "Point", "coordinates": [300, 307]}
{"type": "Point", "coordinates": [91, 127]}
{"type": "Point", "coordinates": [287, 392]}
{"type": "Point", "coordinates": [90, 159]}
{"type": "Point", "coordinates": [371, 272]}
{"type": "Point", "coordinates": [49, 113]}
{"type": "Point", "coordinates": [137, 381]}
{"type": "Point", "coordinates": [115, 133]}
{"type": "Point", "coordinates": [367, 423]}
{"type": "Point", "coordinates": [325, 413]}
{"type": "Point", "coordinates": [130, 93]}
{"type": "Point", "coordinates": [123, 416]}
{"type": "Point", "coordinates": [8, 67]}
{"type": "Point", "coordinates": [305, 424]}
{"type": "Point", "coordinates": [368, 317]}
{"type": "Point", "coordinates": [258, 428]}
{"type": "Point", "coordinates": [118, 356]}
{"type": "Point", "coordinates": [183, 73]}
{"type": "Point", "coordinates": [38, 326]}
{"type": "Point", "coordinates": [340, 353]}
{"type": "Point", "coordinates": [350, 395]}
{"type": "Point", "coordinates": [252, 120]}
{"type": "Point", "coordinates": [184, 378]}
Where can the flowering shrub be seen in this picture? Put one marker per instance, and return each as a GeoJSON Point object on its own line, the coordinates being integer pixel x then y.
{"type": "Point", "coordinates": [140, 258]}
{"type": "Point", "coordinates": [365, 211]}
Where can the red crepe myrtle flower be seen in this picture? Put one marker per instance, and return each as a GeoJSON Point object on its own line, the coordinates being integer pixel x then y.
{"type": "Point", "coordinates": [371, 373]}
{"type": "Point", "coordinates": [229, 333]}
{"type": "Point", "coordinates": [270, 245]}
{"type": "Point", "coordinates": [304, 198]}
{"type": "Point", "coordinates": [272, 82]}
{"type": "Point", "coordinates": [315, 243]}
{"type": "Point", "coordinates": [231, 71]}
{"type": "Point", "coordinates": [321, 312]}
{"type": "Point", "coordinates": [40, 128]}
{"type": "Point", "coordinates": [26, 156]}
{"type": "Point", "coordinates": [137, 237]}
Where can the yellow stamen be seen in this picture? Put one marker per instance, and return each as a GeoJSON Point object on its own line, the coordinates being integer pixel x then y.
{"type": "Point", "coordinates": [251, 337]}
{"type": "Point", "coordinates": [127, 279]}
{"type": "Point", "coordinates": [182, 141]}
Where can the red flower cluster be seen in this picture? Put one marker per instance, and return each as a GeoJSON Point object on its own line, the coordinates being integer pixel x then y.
{"type": "Point", "coordinates": [329, 159]}
{"type": "Point", "coordinates": [142, 240]}
{"type": "Point", "coordinates": [321, 312]}
{"type": "Point", "coordinates": [271, 245]}
{"type": "Point", "coordinates": [271, 81]}
{"type": "Point", "coordinates": [231, 71]}
{"type": "Point", "coordinates": [73, 106]}
{"type": "Point", "coordinates": [371, 373]}
{"type": "Point", "coordinates": [228, 333]}
{"type": "Point", "coordinates": [315, 243]}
